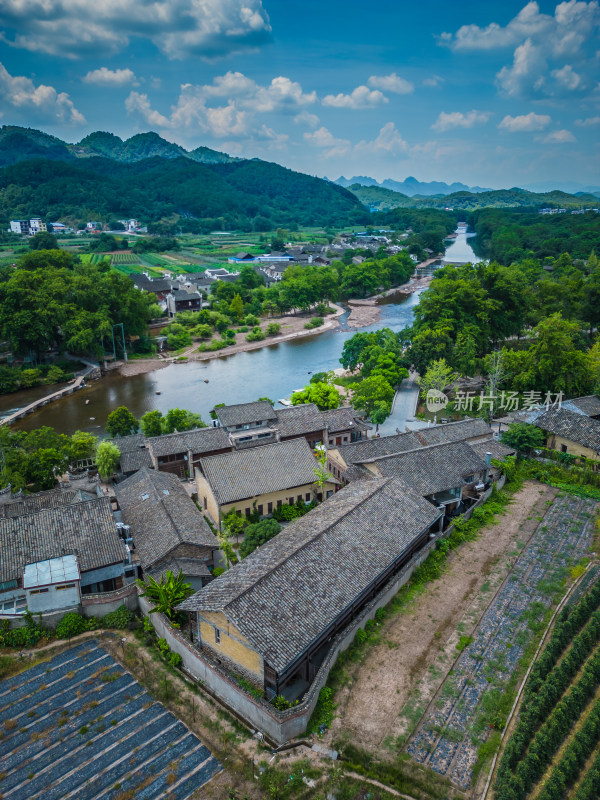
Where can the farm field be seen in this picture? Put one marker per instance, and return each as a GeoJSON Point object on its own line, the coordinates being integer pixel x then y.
{"type": "Point", "coordinates": [554, 748]}
{"type": "Point", "coordinates": [458, 722]}
{"type": "Point", "coordinates": [81, 727]}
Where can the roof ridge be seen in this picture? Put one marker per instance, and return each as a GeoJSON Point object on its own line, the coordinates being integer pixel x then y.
{"type": "Point", "coordinates": [414, 450]}
{"type": "Point", "coordinates": [373, 486]}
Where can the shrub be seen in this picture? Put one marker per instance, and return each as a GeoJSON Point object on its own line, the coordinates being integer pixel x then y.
{"type": "Point", "coordinates": [217, 571]}
{"type": "Point", "coordinates": [273, 328]}
{"type": "Point", "coordinates": [121, 619]}
{"type": "Point", "coordinates": [255, 335]}
{"type": "Point", "coordinates": [73, 624]}
{"type": "Point", "coordinates": [251, 320]}
{"type": "Point", "coordinates": [315, 322]}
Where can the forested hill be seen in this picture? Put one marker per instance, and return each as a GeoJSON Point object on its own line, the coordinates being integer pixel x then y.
{"type": "Point", "coordinates": [22, 144]}
{"type": "Point", "coordinates": [379, 199]}
{"type": "Point", "coordinates": [246, 195]}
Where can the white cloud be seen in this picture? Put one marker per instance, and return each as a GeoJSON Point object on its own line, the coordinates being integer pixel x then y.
{"type": "Point", "coordinates": [71, 28]}
{"type": "Point", "coordinates": [528, 21]}
{"type": "Point", "coordinates": [525, 122]}
{"type": "Point", "coordinates": [456, 119]}
{"type": "Point", "coordinates": [110, 77]}
{"type": "Point", "coordinates": [559, 137]}
{"type": "Point", "coordinates": [586, 123]}
{"type": "Point", "coordinates": [306, 118]}
{"type": "Point", "coordinates": [361, 97]}
{"type": "Point", "coordinates": [331, 145]}
{"type": "Point", "coordinates": [139, 104]}
{"type": "Point", "coordinates": [388, 141]}
{"type": "Point", "coordinates": [567, 77]}
{"type": "Point", "coordinates": [434, 81]}
{"type": "Point", "coordinates": [40, 102]}
{"type": "Point", "coordinates": [553, 55]}
{"type": "Point", "coordinates": [226, 107]}
{"type": "Point", "coordinates": [391, 83]}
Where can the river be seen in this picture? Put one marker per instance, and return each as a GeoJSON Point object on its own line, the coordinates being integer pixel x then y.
{"type": "Point", "coordinates": [273, 371]}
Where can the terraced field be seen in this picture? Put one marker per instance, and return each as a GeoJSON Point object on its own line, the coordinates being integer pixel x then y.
{"type": "Point", "coordinates": [448, 737]}
{"type": "Point", "coordinates": [79, 727]}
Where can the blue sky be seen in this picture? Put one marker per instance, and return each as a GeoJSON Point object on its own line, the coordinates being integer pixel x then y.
{"type": "Point", "coordinates": [490, 94]}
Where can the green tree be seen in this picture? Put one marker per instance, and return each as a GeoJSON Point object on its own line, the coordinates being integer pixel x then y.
{"type": "Point", "coordinates": [121, 422]}
{"type": "Point", "coordinates": [54, 375]}
{"type": "Point", "coordinates": [83, 445]}
{"type": "Point", "coordinates": [107, 459]}
{"type": "Point", "coordinates": [167, 593]}
{"type": "Point", "coordinates": [438, 376]}
{"type": "Point", "coordinates": [370, 392]}
{"type": "Point", "coordinates": [523, 437]}
{"type": "Point", "coordinates": [257, 534]}
{"type": "Point", "coordinates": [236, 307]}
{"type": "Point", "coordinates": [323, 395]}
{"type": "Point", "coordinates": [151, 423]}
{"type": "Point", "coordinates": [43, 240]}
{"type": "Point", "coordinates": [181, 420]}
{"type": "Point", "coordinates": [46, 259]}
{"type": "Point", "coordinates": [29, 378]}
{"type": "Point", "coordinates": [154, 311]}
{"type": "Point", "coordinates": [322, 475]}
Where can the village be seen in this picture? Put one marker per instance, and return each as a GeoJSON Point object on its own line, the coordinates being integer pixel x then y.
{"type": "Point", "coordinates": [260, 634]}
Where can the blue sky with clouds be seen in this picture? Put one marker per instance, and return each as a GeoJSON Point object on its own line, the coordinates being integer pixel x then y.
{"type": "Point", "coordinates": [491, 94]}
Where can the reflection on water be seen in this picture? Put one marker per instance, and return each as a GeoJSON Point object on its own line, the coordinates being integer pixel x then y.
{"type": "Point", "coordinates": [460, 251]}
{"type": "Point", "coordinates": [273, 371]}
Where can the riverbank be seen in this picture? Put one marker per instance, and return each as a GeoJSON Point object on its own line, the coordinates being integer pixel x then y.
{"type": "Point", "coordinates": [293, 327]}
{"type": "Point", "coordinates": [366, 312]}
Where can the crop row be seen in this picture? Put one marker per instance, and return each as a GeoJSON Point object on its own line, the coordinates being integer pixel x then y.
{"type": "Point", "coordinates": [537, 707]}
{"type": "Point", "coordinates": [516, 785]}
{"type": "Point", "coordinates": [568, 624]}
{"type": "Point", "coordinates": [125, 258]}
{"type": "Point", "coordinates": [576, 754]}
{"type": "Point", "coordinates": [589, 787]}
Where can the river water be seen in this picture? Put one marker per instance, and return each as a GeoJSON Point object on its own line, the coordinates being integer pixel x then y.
{"type": "Point", "coordinates": [273, 371]}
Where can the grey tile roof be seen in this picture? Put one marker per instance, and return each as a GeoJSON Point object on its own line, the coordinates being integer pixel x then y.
{"type": "Point", "coordinates": [32, 503]}
{"type": "Point", "coordinates": [589, 405]}
{"type": "Point", "coordinates": [493, 446]}
{"type": "Point", "coordinates": [298, 420]}
{"type": "Point", "coordinates": [86, 529]}
{"type": "Point", "coordinates": [574, 427]}
{"type": "Point", "coordinates": [432, 469]}
{"type": "Point", "coordinates": [259, 470]}
{"type": "Point", "coordinates": [245, 413]}
{"type": "Point", "coordinates": [166, 518]}
{"type": "Point", "coordinates": [286, 593]}
{"type": "Point", "coordinates": [189, 566]}
{"type": "Point", "coordinates": [135, 460]}
{"type": "Point", "coordinates": [358, 452]}
{"type": "Point", "coordinates": [201, 440]}
{"type": "Point", "coordinates": [454, 431]}
{"type": "Point", "coordinates": [343, 419]}
{"type": "Point", "coordinates": [129, 444]}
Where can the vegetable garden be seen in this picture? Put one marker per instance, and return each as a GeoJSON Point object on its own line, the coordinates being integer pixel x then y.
{"type": "Point", "coordinates": [476, 696]}
{"type": "Point", "coordinates": [558, 727]}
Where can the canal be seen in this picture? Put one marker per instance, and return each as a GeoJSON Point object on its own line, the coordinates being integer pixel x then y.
{"type": "Point", "coordinates": [273, 371]}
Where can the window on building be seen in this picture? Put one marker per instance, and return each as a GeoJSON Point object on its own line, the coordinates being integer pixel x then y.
{"type": "Point", "coordinates": [299, 498]}
{"type": "Point", "coordinates": [217, 636]}
{"type": "Point", "coordinates": [247, 512]}
{"type": "Point", "coordinates": [307, 497]}
{"type": "Point", "coordinates": [65, 586]}
{"type": "Point", "coordinates": [469, 478]}
{"type": "Point", "coordinates": [269, 508]}
{"type": "Point", "coordinates": [290, 501]}
{"type": "Point", "coordinates": [260, 509]}
{"type": "Point", "coordinates": [563, 448]}
{"type": "Point", "coordinates": [279, 503]}
{"type": "Point", "coordinates": [205, 504]}
{"type": "Point", "coordinates": [38, 591]}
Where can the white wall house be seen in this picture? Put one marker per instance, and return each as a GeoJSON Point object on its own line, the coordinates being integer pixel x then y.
{"type": "Point", "coordinates": [52, 585]}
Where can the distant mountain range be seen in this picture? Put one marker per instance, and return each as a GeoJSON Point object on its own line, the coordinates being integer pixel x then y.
{"type": "Point", "coordinates": [23, 144]}
{"type": "Point", "coordinates": [411, 186]}
{"type": "Point", "coordinates": [377, 198]}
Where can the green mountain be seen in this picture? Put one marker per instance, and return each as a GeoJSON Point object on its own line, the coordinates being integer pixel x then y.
{"type": "Point", "coordinates": [20, 144]}
{"type": "Point", "coordinates": [175, 192]}
{"type": "Point", "coordinates": [376, 198]}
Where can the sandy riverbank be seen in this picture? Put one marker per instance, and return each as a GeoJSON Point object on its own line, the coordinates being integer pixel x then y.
{"type": "Point", "coordinates": [292, 327]}
{"type": "Point", "coordinates": [366, 312]}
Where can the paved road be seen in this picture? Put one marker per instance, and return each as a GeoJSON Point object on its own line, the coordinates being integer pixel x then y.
{"type": "Point", "coordinates": [405, 405]}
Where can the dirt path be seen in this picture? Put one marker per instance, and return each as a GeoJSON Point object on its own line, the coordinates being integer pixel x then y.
{"type": "Point", "coordinates": [394, 684]}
